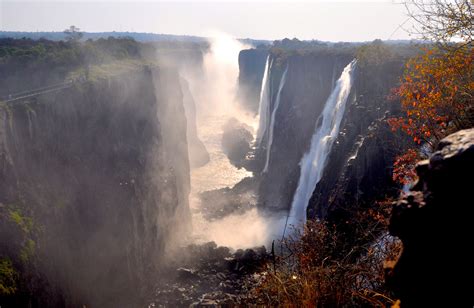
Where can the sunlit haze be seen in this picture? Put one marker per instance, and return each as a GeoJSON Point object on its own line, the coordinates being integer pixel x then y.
{"type": "Point", "coordinates": [323, 20]}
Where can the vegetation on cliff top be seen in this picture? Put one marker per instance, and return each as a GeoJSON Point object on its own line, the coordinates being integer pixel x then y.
{"type": "Point", "coordinates": [70, 53]}
{"type": "Point", "coordinates": [54, 62]}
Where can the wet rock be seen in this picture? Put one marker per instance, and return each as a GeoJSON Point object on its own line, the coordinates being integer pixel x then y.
{"type": "Point", "coordinates": [186, 273]}
{"type": "Point", "coordinates": [248, 260]}
{"type": "Point", "coordinates": [236, 141]}
{"type": "Point", "coordinates": [220, 203]}
{"type": "Point", "coordinates": [207, 275]}
{"type": "Point", "coordinates": [216, 299]}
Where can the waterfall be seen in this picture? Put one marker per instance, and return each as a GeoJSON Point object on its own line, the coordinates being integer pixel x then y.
{"type": "Point", "coordinates": [313, 162]}
{"type": "Point", "coordinates": [272, 119]}
{"type": "Point", "coordinates": [264, 105]}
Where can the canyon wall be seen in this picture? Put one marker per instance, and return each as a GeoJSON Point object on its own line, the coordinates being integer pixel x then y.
{"type": "Point", "coordinates": [251, 67]}
{"type": "Point", "coordinates": [359, 171]}
{"type": "Point", "coordinates": [309, 82]}
{"type": "Point", "coordinates": [94, 182]}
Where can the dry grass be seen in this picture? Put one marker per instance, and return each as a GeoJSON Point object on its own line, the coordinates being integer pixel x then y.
{"type": "Point", "coordinates": [331, 266]}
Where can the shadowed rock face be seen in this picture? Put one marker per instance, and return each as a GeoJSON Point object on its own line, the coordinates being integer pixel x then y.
{"type": "Point", "coordinates": [434, 222]}
{"type": "Point", "coordinates": [358, 172]}
{"type": "Point", "coordinates": [100, 172]}
{"type": "Point", "coordinates": [251, 67]}
{"type": "Point", "coordinates": [309, 82]}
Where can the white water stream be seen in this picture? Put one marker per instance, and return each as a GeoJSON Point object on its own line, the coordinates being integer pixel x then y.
{"type": "Point", "coordinates": [313, 162]}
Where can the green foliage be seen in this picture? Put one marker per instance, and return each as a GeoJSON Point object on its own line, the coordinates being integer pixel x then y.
{"type": "Point", "coordinates": [25, 223]}
{"type": "Point", "coordinates": [374, 53]}
{"type": "Point", "coordinates": [28, 250]}
{"type": "Point", "coordinates": [27, 64]}
{"type": "Point", "coordinates": [17, 233]}
{"type": "Point", "coordinates": [286, 48]}
{"type": "Point", "coordinates": [44, 52]}
{"type": "Point", "coordinates": [8, 277]}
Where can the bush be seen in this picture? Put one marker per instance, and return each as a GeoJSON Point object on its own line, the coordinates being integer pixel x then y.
{"type": "Point", "coordinates": [322, 267]}
{"type": "Point", "coordinates": [8, 277]}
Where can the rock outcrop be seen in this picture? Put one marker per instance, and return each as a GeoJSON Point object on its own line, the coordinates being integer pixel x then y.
{"type": "Point", "coordinates": [236, 141]}
{"type": "Point", "coordinates": [95, 179]}
{"type": "Point", "coordinates": [434, 222]}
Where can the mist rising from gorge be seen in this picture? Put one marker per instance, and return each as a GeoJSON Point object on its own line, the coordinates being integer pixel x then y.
{"type": "Point", "coordinates": [215, 92]}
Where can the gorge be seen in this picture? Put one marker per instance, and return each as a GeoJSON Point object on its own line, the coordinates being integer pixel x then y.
{"type": "Point", "coordinates": [170, 174]}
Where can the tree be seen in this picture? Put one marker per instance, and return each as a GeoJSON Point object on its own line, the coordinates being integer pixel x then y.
{"type": "Point", "coordinates": [73, 34]}
{"type": "Point", "coordinates": [373, 54]}
{"type": "Point", "coordinates": [437, 88]}
{"type": "Point", "coordinates": [436, 94]}
{"type": "Point", "coordinates": [442, 21]}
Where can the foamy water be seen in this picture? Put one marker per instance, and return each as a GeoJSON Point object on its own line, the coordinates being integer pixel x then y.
{"type": "Point", "coordinates": [243, 230]}
{"type": "Point", "coordinates": [219, 172]}
{"type": "Point", "coordinates": [215, 95]}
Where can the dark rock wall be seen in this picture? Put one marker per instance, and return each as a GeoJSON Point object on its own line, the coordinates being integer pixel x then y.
{"type": "Point", "coordinates": [251, 69]}
{"type": "Point", "coordinates": [101, 173]}
{"type": "Point", "coordinates": [359, 171]}
{"type": "Point", "coordinates": [434, 222]}
{"type": "Point", "coordinates": [309, 82]}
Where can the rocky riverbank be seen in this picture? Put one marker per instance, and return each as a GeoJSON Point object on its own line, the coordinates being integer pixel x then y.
{"type": "Point", "coordinates": [209, 276]}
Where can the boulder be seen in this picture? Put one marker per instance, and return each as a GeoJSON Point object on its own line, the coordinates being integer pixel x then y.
{"type": "Point", "coordinates": [236, 141]}
{"type": "Point", "coordinates": [434, 222]}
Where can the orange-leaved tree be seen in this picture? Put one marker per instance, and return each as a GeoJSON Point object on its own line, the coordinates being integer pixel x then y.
{"type": "Point", "coordinates": [436, 95]}
{"type": "Point", "coordinates": [437, 88]}
{"type": "Point", "coordinates": [437, 98]}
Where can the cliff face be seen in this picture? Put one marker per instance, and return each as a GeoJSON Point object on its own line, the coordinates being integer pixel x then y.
{"type": "Point", "coordinates": [96, 177]}
{"type": "Point", "coordinates": [358, 169]}
{"type": "Point", "coordinates": [358, 172]}
{"type": "Point", "coordinates": [309, 82]}
{"type": "Point", "coordinates": [198, 155]}
{"type": "Point", "coordinates": [251, 67]}
{"type": "Point", "coordinates": [434, 222]}
{"type": "Point", "coordinates": [188, 60]}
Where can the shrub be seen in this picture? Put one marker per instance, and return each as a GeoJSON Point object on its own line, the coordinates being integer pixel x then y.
{"type": "Point", "coordinates": [8, 277]}
{"type": "Point", "coordinates": [323, 267]}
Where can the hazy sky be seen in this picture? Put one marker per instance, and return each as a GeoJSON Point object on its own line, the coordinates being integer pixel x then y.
{"type": "Point", "coordinates": [260, 19]}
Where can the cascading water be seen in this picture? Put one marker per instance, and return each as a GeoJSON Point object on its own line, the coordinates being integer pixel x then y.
{"type": "Point", "coordinates": [272, 119]}
{"type": "Point", "coordinates": [313, 162]}
{"type": "Point", "coordinates": [264, 105]}
{"type": "Point", "coordinates": [215, 92]}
